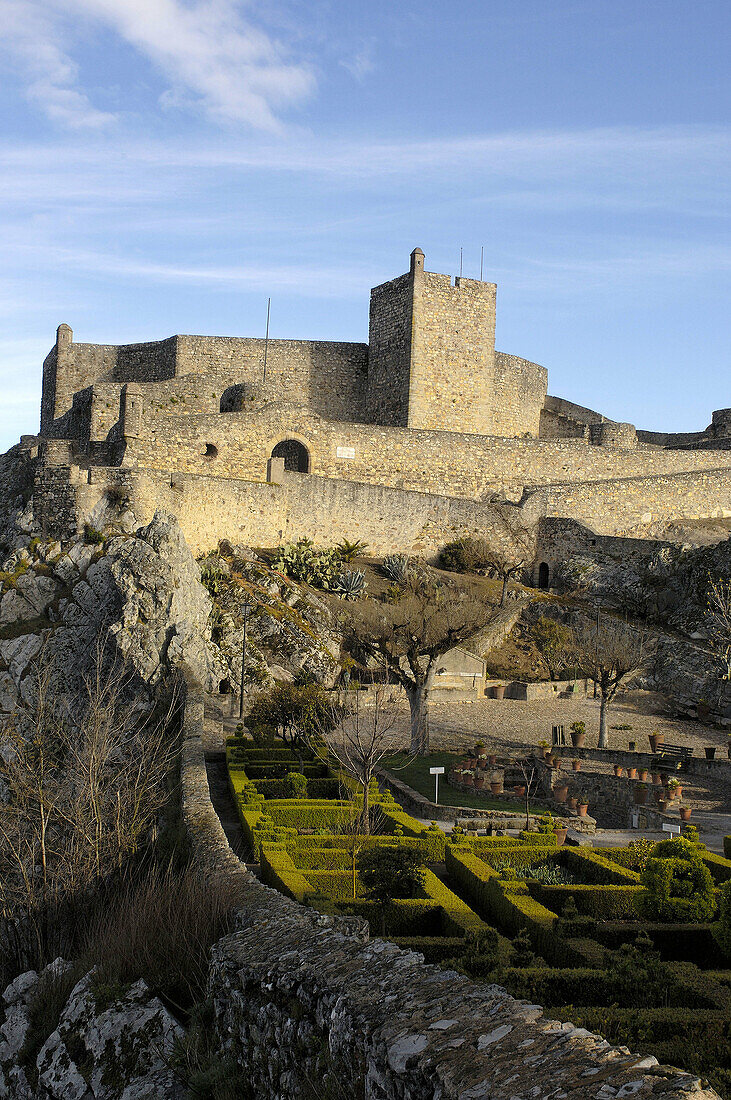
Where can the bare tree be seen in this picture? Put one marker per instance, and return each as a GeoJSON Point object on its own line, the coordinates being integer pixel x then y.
{"type": "Point", "coordinates": [508, 555]}
{"type": "Point", "coordinates": [363, 733]}
{"type": "Point", "coordinates": [528, 771]}
{"type": "Point", "coordinates": [79, 797]}
{"type": "Point", "coordinates": [410, 636]}
{"type": "Point", "coordinates": [612, 654]}
{"type": "Point", "coordinates": [718, 617]}
{"type": "Point", "coordinates": [553, 641]}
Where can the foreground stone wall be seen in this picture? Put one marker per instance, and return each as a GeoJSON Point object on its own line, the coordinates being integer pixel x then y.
{"type": "Point", "coordinates": [303, 1000]}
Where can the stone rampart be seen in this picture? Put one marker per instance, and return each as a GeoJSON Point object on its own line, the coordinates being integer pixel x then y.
{"type": "Point", "coordinates": [303, 998]}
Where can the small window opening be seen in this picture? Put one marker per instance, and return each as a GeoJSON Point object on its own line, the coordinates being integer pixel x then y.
{"type": "Point", "coordinates": [224, 688]}
{"type": "Point", "coordinates": [211, 451]}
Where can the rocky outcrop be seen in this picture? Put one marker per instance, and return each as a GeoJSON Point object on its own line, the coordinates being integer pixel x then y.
{"type": "Point", "coordinates": [109, 1044]}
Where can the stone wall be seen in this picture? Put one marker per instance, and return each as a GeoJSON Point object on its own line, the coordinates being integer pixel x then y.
{"type": "Point", "coordinates": [452, 355]}
{"type": "Point", "coordinates": [325, 510]}
{"type": "Point", "coordinates": [301, 998]}
{"type": "Point", "coordinates": [389, 351]}
{"type": "Point", "coordinates": [625, 505]}
{"type": "Point", "coordinates": [519, 391]}
{"type": "Point", "coordinates": [428, 461]}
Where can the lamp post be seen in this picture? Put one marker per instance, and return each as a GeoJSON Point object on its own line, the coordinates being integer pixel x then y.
{"type": "Point", "coordinates": [246, 609]}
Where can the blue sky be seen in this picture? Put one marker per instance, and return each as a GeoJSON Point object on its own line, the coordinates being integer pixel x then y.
{"type": "Point", "coordinates": [165, 165]}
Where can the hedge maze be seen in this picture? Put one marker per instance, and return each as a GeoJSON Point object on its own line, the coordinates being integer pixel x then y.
{"type": "Point", "coordinates": [630, 942]}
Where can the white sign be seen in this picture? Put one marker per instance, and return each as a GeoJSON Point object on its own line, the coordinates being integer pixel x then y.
{"type": "Point", "coordinates": [345, 452]}
{"type": "Point", "coordinates": [436, 772]}
{"type": "Point", "coordinates": [670, 828]}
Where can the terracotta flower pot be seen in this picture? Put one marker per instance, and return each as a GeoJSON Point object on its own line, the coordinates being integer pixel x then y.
{"type": "Point", "coordinates": [642, 775]}
{"type": "Point", "coordinates": [519, 790]}
{"type": "Point", "coordinates": [498, 691]}
{"type": "Point", "coordinates": [572, 803]}
{"type": "Point", "coordinates": [576, 765]}
{"type": "Point", "coordinates": [656, 740]}
{"type": "Point", "coordinates": [492, 759]}
{"type": "Point", "coordinates": [631, 773]}
{"type": "Point", "coordinates": [640, 796]}
{"type": "Point", "coordinates": [618, 769]}
{"type": "Point", "coordinates": [468, 780]}
{"type": "Point", "coordinates": [582, 809]}
{"type": "Point", "coordinates": [560, 836]}
{"type": "Point", "coordinates": [556, 763]}
{"type": "Point", "coordinates": [479, 782]}
{"type": "Point", "coordinates": [497, 787]}
{"type": "Point", "coordinates": [560, 792]}
{"type": "Point", "coordinates": [685, 813]}
{"type": "Point", "coordinates": [578, 740]}
{"type": "Point", "coordinates": [657, 779]}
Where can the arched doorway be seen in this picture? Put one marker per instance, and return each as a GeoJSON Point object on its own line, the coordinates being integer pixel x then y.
{"type": "Point", "coordinates": [544, 573]}
{"type": "Point", "coordinates": [295, 454]}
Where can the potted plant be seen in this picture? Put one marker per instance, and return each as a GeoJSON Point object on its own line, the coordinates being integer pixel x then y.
{"type": "Point", "coordinates": [675, 791]}
{"type": "Point", "coordinates": [560, 792]}
{"type": "Point", "coordinates": [544, 749]}
{"type": "Point", "coordinates": [640, 793]}
{"type": "Point", "coordinates": [478, 748]}
{"type": "Point", "coordinates": [578, 734]}
{"type": "Point", "coordinates": [498, 691]}
{"type": "Point", "coordinates": [684, 813]}
{"type": "Point", "coordinates": [479, 781]}
{"type": "Point", "coordinates": [519, 789]}
{"type": "Point", "coordinates": [657, 779]}
{"type": "Point", "coordinates": [576, 765]}
{"type": "Point", "coordinates": [657, 739]}
{"type": "Point", "coordinates": [618, 769]}
{"type": "Point", "coordinates": [572, 803]}
{"type": "Point", "coordinates": [632, 773]}
{"type": "Point", "coordinates": [468, 778]}
{"type": "Point", "coordinates": [710, 752]}
{"type": "Point", "coordinates": [496, 785]}
{"type": "Point", "coordinates": [642, 774]}
{"type": "Point", "coordinates": [560, 831]}
{"type": "Point", "coordinates": [582, 808]}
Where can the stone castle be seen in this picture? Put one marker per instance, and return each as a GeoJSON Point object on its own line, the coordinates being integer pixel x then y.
{"type": "Point", "coordinates": [404, 442]}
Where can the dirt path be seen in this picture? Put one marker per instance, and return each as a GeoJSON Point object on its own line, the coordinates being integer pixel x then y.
{"type": "Point", "coordinates": [223, 803]}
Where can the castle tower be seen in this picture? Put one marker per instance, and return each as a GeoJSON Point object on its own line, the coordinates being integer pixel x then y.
{"type": "Point", "coordinates": [431, 359]}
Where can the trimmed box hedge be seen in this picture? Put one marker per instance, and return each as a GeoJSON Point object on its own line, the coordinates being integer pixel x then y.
{"type": "Point", "coordinates": [601, 902]}
{"type": "Point", "coordinates": [592, 867]}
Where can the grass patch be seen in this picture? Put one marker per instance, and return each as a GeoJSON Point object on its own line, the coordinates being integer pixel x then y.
{"type": "Point", "coordinates": [416, 774]}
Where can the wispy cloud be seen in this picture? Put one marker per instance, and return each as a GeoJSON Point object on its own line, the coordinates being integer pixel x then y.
{"type": "Point", "coordinates": [31, 43]}
{"type": "Point", "coordinates": [361, 63]}
{"type": "Point", "coordinates": [214, 59]}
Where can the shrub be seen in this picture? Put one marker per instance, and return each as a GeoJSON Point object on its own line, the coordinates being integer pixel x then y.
{"type": "Point", "coordinates": [396, 568]}
{"type": "Point", "coordinates": [722, 927]}
{"type": "Point", "coordinates": [348, 551]}
{"type": "Point", "coordinates": [461, 556]}
{"type": "Point", "coordinates": [389, 872]}
{"type": "Point", "coordinates": [677, 889]}
{"type": "Point", "coordinates": [295, 785]}
{"type": "Point", "coordinates": [302, 562]}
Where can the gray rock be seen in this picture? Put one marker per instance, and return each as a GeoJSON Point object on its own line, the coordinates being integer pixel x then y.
{"type": "Point", "coordinates": [17, 653]}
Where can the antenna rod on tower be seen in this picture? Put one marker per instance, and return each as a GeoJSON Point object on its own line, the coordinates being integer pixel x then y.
{"type": "Point", "coordinates": [482, 256]}
{"type": "Point", "coordinates": [266, 339]}
{"type": "Point", "coordinates": [460, 263]}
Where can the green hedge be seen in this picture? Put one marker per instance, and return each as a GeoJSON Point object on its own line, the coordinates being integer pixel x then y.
{"type": "Point", "coordinates": [583, 987]}
{"type": "Point", "coordinates": [278, 770]}
{"type": "Point", "coordinates": [278, 871]}
{"type": "Point", "coordinates": [432, 837]}
{"type": "Point", "coordinates": [404, 917]}
{"type": "Point", "coordinates": [520, 856]}
{"type": "Point", "coordinates": [306, 813]}
{"type": "Point", "coordinates": [602, 902]}
{"type": "Point", "coordinates": [719, 867]}
{"type": "Point", "coordinates": [458, 919]}
{"type": "Point", "coordinates": [317, 789]}
{"type": "Point", "coordinates": [590, 866]}
{"type": "Point", "coordinates": [691, 942]}
{"type": "Point", "coordinates": [435, 949]}
{"type": "Point", "coordinates": [337, 885]}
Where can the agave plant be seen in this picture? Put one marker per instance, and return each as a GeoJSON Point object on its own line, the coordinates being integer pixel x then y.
{"type": "Point", "coordinates": [396, 568]}
{"type": "Point", "coordinates": [350, 584]}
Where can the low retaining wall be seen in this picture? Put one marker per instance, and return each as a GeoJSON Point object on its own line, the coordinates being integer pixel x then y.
{"type": "Point", "coordinates": [303, 1000]}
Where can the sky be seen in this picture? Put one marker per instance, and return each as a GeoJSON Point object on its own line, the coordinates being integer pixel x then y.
{"type": "Point", "coordinates": [168, 165]}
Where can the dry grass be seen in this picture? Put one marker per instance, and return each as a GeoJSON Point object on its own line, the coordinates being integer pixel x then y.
{"type": "Point", "coordinates": [162, 928]}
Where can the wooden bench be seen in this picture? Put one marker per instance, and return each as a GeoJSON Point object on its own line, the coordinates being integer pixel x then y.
{"type": "Point", "coordinates": [672, 757]}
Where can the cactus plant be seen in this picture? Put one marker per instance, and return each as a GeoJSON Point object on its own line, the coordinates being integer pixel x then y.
{"type": "Point", "coordinates": [396, 568]}
{"type": "Point", "coordinates": [350, 584]}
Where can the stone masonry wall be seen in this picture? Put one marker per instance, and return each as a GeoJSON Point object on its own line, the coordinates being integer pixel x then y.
{"type": "Point", "coordinates": [452, 355]}
{"type": "Point", "coordinates": [325, 510]}
{"type": "Point", "coordinates": [519, 391]}
{"type": "Point", "coordinates": [426, 461]}
{"type": "Point", "coordinates": [389, 352]}
{"type": "Point", "coordinates": [299, 998]}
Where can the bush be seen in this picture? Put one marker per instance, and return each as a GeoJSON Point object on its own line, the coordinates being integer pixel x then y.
{"type": "Point", "coordinates": [677, 889]}
{"type": "Point", "coordinates": [591, 866]}
{"type": "Point", "coordinates": [722, 928]}
{"type": "Point", "coordinates": [599, 902]}
{"type": "Point", "coordinates": [390, 872]}
{"type": "Point", "coordinates": [462, 556]}
{"type": "Point", "coordinates": [295, 785]}
{"type": "Point", "coordinates": [431, 836]}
